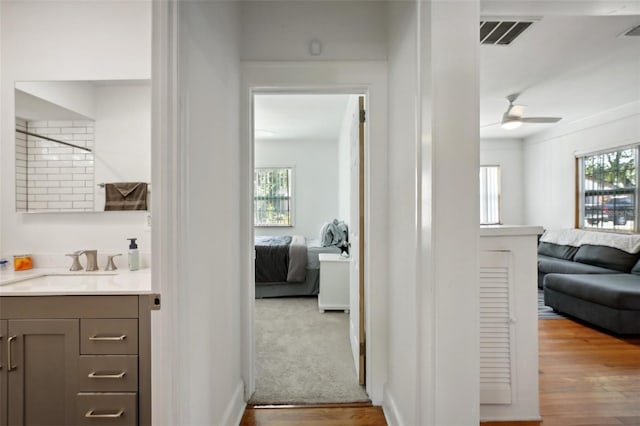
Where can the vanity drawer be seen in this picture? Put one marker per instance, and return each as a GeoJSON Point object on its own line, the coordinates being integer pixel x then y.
{"type": "Point", "coordinates": [109, 336]}
{"type": "Point", "coordinates": [115, 373]}
{"type": "Point", "coordinates": [99, 409]}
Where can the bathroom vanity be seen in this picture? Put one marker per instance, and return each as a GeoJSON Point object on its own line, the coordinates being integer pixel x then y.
{"type": "Point", "coordinates": [76, 348]}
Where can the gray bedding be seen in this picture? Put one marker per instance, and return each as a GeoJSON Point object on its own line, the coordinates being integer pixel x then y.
{"type": "Point", "coordinates": [280, 258]}
{"type": "Point", "coordinates": [311, 283]}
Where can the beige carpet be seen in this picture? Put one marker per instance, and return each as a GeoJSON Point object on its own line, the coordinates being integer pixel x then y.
{"type": "Point", "coordinates": [303, 356]}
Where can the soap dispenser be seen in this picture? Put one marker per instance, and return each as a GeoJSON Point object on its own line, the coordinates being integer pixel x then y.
{"type": "Point", "coordinates": [134, 256]}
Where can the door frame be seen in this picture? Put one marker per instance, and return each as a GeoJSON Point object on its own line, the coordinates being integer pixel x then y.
{"type": "Point", "coordinates": [336, 78]}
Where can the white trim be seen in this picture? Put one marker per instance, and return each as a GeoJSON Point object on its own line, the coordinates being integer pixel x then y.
{"type": "Point", "coordinates": [235, 408]}
{"type": "Point", "coordinates": [391, 412]}
{"type": "Point", "coordinates": [361, 77]}
{"type": "Point", "coordinates": [165, 205]}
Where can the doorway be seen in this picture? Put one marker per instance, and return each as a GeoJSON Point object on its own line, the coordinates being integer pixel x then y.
{"type": "Point", "coordinates": [308, 158]}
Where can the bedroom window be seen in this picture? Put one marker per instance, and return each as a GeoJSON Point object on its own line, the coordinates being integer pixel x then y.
{"type": "Point", "coordinates": [489, 195]}
{"type": "Point", "coordinates": [607, 185]}
{"type": "Point", "coordinates": [273, 197]}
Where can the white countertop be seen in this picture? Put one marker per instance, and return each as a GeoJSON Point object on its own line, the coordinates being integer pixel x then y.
{"type": "Point", "coordinates": [509, 230]}
{"type": "Point", "coordinates": [60, 281]}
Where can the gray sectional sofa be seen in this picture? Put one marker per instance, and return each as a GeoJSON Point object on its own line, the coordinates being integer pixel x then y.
{"type": "Point", "coordinates": [595, 283]}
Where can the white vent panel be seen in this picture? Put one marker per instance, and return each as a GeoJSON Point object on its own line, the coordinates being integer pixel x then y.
{"type": "Point", "coordinates": [495, 328]}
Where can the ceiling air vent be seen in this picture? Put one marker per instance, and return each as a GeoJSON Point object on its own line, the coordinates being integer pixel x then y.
{"type": "Point", "coordinates": [501, 32]}
{"type": "Point", "coordinates": [633, 32]}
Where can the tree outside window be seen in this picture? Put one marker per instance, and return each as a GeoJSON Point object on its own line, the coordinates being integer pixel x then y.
{"type": "Point", "coordinates": [608, 190]}
{"type": "Point", "coordinates": [273, 197]}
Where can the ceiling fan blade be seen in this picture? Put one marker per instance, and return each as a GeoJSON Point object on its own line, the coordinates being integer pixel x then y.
{"type": "Point", "coordinates": [540, 119]}
{"type": "Point", "coordinates": [515, 110]}
{"type": "Point", "coordinates": [497, 123]}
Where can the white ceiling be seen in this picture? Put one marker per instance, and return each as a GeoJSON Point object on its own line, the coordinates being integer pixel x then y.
{"type": "Point", "coordinates": [564, 65]}
{"type": "Point", "coordinates": [299, 116]}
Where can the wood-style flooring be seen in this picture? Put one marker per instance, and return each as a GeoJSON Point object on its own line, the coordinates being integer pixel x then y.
{"type": "Point", "coordinates": [587, 378]}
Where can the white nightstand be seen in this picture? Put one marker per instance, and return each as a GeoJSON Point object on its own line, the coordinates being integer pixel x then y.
{"type": "Point", "coordinates": [334, 282]}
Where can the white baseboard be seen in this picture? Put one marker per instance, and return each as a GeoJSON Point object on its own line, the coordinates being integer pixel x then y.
{"type": "Point", "coordinates": [391, 410]}
{"type": "Point", "coordinates": [235, 408]}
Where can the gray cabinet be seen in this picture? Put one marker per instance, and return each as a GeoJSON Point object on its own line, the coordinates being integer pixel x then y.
{"type": "Point", "coordinates": [75, 360]}
{"type": "Point", "coordinates": [41, 371]}
{"type": "Point", "coordinates": [3, 374]}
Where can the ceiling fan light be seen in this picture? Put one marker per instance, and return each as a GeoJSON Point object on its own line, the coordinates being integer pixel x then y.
{"type": "Point", "coordinates": [511, 124]}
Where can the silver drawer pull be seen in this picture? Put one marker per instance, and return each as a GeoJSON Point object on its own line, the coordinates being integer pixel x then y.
{"type": "Point", "coordinates": [98, 375]}
{"type": "Point", "coordinates": [92, 415]}
{"type": "Point", "coordinates": [108, 338]}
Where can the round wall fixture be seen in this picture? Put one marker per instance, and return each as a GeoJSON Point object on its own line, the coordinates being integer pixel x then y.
{"type": "Point", "coordinates": [315, 47]}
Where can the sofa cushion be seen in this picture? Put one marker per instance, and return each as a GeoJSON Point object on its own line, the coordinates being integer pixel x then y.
{"type": "Point", "coordinates": [606, 257]}
{"type": "Point", "coordinates": [636, 268]}
{"type": "Point", "coordinates": [549, 265]}
{"type": "Point", "coordinates": [557, 250]}
{"type": "Point", "coordinates": [619, 291]}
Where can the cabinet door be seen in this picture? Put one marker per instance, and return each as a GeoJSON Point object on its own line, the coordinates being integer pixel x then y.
{"type": "Point", "coordinates": [41, 377]}
{"type": "Point", "coordinates": [3, 373]}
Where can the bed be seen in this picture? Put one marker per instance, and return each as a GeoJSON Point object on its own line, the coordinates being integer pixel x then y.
{"type": "Point", "coordinates": [288, 265]}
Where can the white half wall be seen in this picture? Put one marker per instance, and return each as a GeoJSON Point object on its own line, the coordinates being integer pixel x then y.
{"type": "Point", "coordinates": [315, 182]}
{"type": "Point", "coordinates": [65, 40]}
{"type": "Point", "coordinates": [550, 162]}
{"type": "Point", "coordinates": [508, 154]}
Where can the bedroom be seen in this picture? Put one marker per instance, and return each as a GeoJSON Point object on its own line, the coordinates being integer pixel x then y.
{"type": "Point", "coordinates": [305, 198]}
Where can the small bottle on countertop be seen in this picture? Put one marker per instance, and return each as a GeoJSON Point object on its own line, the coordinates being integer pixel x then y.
{"type": "Point", "coordinates": [134, 256]}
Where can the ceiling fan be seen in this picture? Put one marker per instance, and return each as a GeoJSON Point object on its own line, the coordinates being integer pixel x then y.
{"type": "Point", "coordinates": [512, 118]}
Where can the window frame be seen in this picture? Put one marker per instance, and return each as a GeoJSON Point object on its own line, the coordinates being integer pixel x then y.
{"type": "Point", "coordinates": [581, 191]}
{"type": "Point", "coordinates": [291, 171]}
{"type": "Point", "coordinates": [499, 192]}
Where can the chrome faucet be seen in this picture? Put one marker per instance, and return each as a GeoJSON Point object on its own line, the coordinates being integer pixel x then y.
{"type": "Point", "coordinates": [92, 259]}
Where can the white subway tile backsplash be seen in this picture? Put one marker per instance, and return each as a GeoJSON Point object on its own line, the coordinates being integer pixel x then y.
{"type": "Point", "coordinates": [60, 204]}
{"type": "Point", "coordinates": [51, 175]}
{"type": "Point", "coordinates": [62, 190]}
{"type": "Point", "coordinates": [60, 177]}
{"type": "Point", "coordinates": [83, 190]}
{"type": "Point", "coordinates": [73, 183]}
{"type": "Point", "coordinates": [46, 183]}
{"type": "Point", "coordinates": [60, 123]}
{"type": "Point", "coordinates": [82, 204]}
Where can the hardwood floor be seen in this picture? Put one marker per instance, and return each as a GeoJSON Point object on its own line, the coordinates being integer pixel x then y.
{"type": "Point", "coordinates": [587, 378]}
{"type": "Point", "coordinates": [355, 414]}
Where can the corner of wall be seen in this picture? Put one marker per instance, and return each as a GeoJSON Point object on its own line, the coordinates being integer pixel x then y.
{"type": "Point", "coordinates": [391, 412]}
{"type": "Point", "coordinates": [235, 408]}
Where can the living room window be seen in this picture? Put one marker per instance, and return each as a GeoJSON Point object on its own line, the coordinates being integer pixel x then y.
{"type": "Point", "coordinates": [490, 195]}
{"type": "Point", "coordinates": [608, 185]}
{"type": "Point", "coordinates": [273, 189]}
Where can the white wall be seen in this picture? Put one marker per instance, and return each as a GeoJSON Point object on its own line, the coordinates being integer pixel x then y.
{"type": "Point", "coordinates": [282, 30]}
{"type": "Point", "coordinates": [41, 40]}
{"type": "Point", "coordinates": [448, 354]}
{"type": "Point", "coordinates": [206, 377]}
{"type": "Point", "coordinates": [508, 154]}
{"type": "Point", "coordinates": [401, 398]}
{"type": "Point", "coordinates": [122, 136]}
{"type": "Point", "coordinates": [315, 182]}
{"type": "Point", "coordinates": [550, 162]}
